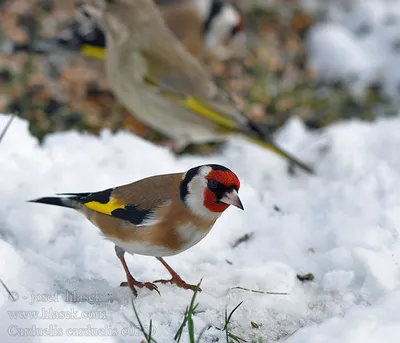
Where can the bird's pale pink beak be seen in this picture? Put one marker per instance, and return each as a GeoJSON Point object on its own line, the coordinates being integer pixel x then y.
{"type": "Point", "coordinates": [232, 198]}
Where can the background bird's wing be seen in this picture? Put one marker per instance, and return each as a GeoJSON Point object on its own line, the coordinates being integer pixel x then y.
{"type": "Point", "coordinates": [222, 111]}
{"type": "Point", "coordinates": [165, 61]}
{"type": "Point", "coordinates": [136, 202]}
{"type": "Point", "coordinates": [183, 18]}
{"type": "Point", "coordinates": [169, 69]}
{"type": "Point", "coordinates": [187, 81]}
{"type": "Point", "coordinates": [175, 69]}
{"type": "Point", "coordinates": [194, 89]}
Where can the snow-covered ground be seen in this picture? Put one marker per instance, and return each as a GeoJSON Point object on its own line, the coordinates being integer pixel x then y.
{"type": "Point", "coordinates": [342, 225]}
{"type": "Point", "coordinates": [358, 42]}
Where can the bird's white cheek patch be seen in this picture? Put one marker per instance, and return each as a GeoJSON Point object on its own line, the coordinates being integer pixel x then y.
{"type": "Point", "coordinates": [195, 197]}
{"type": "Point", "coordinates": [221, 26]}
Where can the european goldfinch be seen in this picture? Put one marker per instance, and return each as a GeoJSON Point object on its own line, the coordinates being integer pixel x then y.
{"type": "Point", "coordinates": [158, 216]}
{"type": "Point", "coordinates": [201, 25]}
{"type": "Point", "coordinates": [154, 77]}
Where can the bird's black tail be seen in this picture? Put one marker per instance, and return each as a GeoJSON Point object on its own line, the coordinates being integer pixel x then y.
{"type": "Point", "coordinates": [56, 201]}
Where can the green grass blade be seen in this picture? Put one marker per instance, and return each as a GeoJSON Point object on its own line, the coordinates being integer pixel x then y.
{"type": "Point", "coordinates": [236, 338]}
{"type": "Point", "coordinates": [191, 330]}
{"type": "Point", "coordinates": [226, 326]}
{"type": "Point", "coordinates": [188, 318]}
{"type": "Point", "coordinates": [150, 329]}
{"type": "Point", "coordinates": [140, 327]}
{"type": "Point", "coordinates": [178, 334]}
{"type": "Point", "coordinates": [227, 320]}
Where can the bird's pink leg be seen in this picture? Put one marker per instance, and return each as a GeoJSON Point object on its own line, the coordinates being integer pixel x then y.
{"type": "Point", "coordinates": [131, 280]}
{"type": "Point", "coordinates": [176, 279]}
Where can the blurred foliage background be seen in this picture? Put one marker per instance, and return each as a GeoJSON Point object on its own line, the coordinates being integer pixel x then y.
{"type": "Point", "coordinates": [64, 90]}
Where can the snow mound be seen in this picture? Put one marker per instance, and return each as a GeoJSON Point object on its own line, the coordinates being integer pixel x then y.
{"type": "Point", "coordinates": [342, 226]}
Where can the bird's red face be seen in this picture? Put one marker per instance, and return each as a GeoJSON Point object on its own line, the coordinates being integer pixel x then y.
{"type": "Point", "coordinates": [221, 190]}
{"type": "Point", "coordinates": [208, 190]}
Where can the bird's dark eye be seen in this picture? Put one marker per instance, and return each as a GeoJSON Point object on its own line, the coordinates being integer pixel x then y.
{"type": "Point", "coordinates": [212, 184]}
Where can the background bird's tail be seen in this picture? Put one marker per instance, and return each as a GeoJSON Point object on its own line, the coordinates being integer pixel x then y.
{"type": "Point", "coordinates": [287, 156]}
{"type": "Point", "coordinates": [253, 131]}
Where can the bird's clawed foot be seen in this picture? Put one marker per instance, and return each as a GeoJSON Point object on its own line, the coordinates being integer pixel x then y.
{"type": "Point", "coordinates": [132, 283]}
{"type": "Point", "coordinates": [179, 282]}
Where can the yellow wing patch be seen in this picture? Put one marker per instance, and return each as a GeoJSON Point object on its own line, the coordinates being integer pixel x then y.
{"type": "Point", "coordinates": [195, 105]}
{"type": "Point", "coordinates": [107, 208]}
{"type": "Point", "coordinates": [204, 110]}
{"type": "Point", "coordinates": [93, 51]}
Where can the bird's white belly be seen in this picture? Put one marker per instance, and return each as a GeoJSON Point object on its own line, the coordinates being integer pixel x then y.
{"type": "Point", "coordinates": [144, 249]}
{"type": "Point", "coordinates": [189, 235]}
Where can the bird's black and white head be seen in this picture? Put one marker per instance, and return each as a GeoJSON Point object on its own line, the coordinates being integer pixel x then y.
{"type": "Point", "coordinates": [223, 21]}
{"type": "Point", "coordinates": [209, 190]}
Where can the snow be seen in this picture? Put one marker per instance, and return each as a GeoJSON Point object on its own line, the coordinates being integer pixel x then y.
{"type": "Point", "coordinates": [341, 225]}
{"type": "Point", "coordinates": [358, 42]}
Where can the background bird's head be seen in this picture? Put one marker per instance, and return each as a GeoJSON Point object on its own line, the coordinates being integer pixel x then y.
{"type": "Point", "coordinates": [208, 190]}
{"type": "Point", "coordinates": [223, 22]}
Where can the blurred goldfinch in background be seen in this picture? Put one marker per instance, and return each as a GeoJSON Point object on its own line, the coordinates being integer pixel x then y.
{"type": "Point", "coordinates": [156, 73]}
{"type": "Point", "coordinates": [154, 76]}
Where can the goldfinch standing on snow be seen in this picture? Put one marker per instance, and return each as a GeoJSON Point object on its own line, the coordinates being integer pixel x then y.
{"type": "Point", "coordinates": [158, 81]}
{"type": "Point", "coordinates": [158, 216]}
